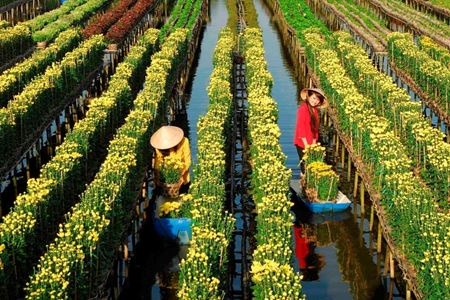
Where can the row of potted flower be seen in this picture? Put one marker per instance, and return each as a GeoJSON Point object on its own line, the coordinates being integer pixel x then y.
{"type": "Point", "coordinates": [28, 110]}
{"type": "Point", "coordinates": [270, 182]}
{"type": "Point", "coordinates": [431, 75]}
{"type": "Point", "coordinates": [186, 15]}
{"type": "Point", "coordinates": [435, 51]}
{"type": "Point", "coordinates": [14, 41]}
{"type": "Point", "coordinates": [14, 79]}
{"type": "Point", "coordinates": [403, 197]}
{"type": "Point", "coordinates": [101, 23]}
{"type": "Point", "coordinates": [74, 18]}
{"type": "Point", "coordinates": [41, 21]}
{"type": "Point", "coordinates": [30, 224]}
{"type": "Point", "coordinates": [94, 226]}
{"type": "Point", "coordinates": [203, 269]}
{"type": "Point", "coordinates": [425, 144]}
{"type": "Point", "coordinates": [129, 19]}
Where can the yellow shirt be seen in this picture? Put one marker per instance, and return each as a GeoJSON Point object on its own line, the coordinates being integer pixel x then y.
{"type": "Point", "coordinates": [182, 153]}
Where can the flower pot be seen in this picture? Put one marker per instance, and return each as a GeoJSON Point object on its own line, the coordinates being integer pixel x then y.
{"type": "Point", "coordinates": [171, 190]}
{"type": "Point", "coordinates": [41, 45]}
{"type": "Point", "coordinates": [112, 47]}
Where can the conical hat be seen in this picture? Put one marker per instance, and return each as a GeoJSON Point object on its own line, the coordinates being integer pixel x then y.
{"type": "Point", "coordinates": [166, 137]}
{"type": "Point", "coordinates": [304, 93]}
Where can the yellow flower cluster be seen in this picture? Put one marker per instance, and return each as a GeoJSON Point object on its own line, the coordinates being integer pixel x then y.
{"type": "Point", "coordinates": [431, 75]}
{"type": "Point", "coordinates": [107, 196]}
{"type": "Point", "coordinates": [426, 143]}
{"type": "Point", "coordinates": [435, 51]}
{"type": "Point", "coordinates": [169, 209]}
{"type": "Point", "coordinates": [15, 78]}
{"type": "Point", "coordinates": [404, 197]}
{"type": "Point", "coordinates": [45, 191]}
{"type": "Point", "coordinates": [278, 281]}
{"type": "Point", "coordinates": [213, 226]}
{"type": "Point", "coordinates": [272, 274]}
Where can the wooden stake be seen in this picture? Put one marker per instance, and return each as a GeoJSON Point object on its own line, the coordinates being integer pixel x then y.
{"type": "Point", "coordinates": [408, 292]}
{"type": "Point", "coordinates": [372, 213]}
{"type": "Point", "coordinates": [355, 187]}
{"type": "Point", "coordinates": [337, 145]}
{"type": "Point", "coordinates": [386, 263]}
{"type": "Point", "coordinates": [342, 158]}
{"type": "Point", "coordinates": [349, 168]}
{"type": "Point", "coordinates": [379, 237]}
{"type": "Point", "coordinates": [361, 196]}
{"type": "Point", "coordinates": [391, 265]}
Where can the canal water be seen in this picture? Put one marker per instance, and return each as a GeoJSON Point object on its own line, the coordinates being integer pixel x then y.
{"type": "Point", "coordinates": [153, 272]}
{"type": "Point", "coordinates": [336, 253]}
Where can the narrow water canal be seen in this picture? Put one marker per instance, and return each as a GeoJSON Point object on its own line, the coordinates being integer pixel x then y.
{"type": "Point", "coordinates": [153, 273]}
{"type": "Point", "coordinates": [335, 252]}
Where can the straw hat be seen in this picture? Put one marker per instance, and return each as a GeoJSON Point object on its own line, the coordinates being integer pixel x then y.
{"type": "Point", "coordinates": [166, 137]}
{"type": "Point", "coordinates": [304, 93]}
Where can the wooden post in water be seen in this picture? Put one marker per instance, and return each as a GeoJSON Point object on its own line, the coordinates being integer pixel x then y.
{"type": "Point", "coordinates": [408, 292]}
{"type": "Point", "coordinates": [337, 147]}
{"type": "Point", "coordinates": [349, 168]}
{"type": "Point", "coordinates": [361, 196]}
{"type": "Point", "coordinates": [386, 263]}
{"type": "Point", "coordinates": [379, 237]}
{"type": "Point", "coordinates": [391, 265]}
{"type": "Point", "coordinates": [372, 213]}
{"type": "Point", "coordinates": [342, 158]}
{"type": "Point", "coordinates": [355, 187]}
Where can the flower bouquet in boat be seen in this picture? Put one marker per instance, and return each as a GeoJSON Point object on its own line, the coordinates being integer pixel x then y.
{"type": "Point", "coordinates": [170, 176]}
{"type": "Point", "coordinates": [320, 183]}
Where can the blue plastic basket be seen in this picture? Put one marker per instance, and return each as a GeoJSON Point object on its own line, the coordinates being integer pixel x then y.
{"type": "Point", "coordinates": [172, 228]}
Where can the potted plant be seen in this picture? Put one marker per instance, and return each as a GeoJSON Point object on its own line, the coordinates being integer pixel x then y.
{"type": "Point", "coordinates": [172, 222]}
{"type": "Point", "coordinates": [170, 176]}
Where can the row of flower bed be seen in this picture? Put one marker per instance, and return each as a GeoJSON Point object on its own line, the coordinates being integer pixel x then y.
{"type": "Point", "coordinates": [32, 221]}
{"type": "Point", "coordinates": [13, 80]}
{"type": "Point", "coordinates": [435, 51]}
{"type": "Point", "coordinates": [269, 181]}
{"type": "Point", "coordinates": [74, 18]}
{"type": "Point", "coordinates": [125, 24]}
{"type": "Point", "coordinates": [432, 76]}
{"type": "Point", "coordinates": [28, 110]}
{"type": "Point", "coordinates": [86, 241]}
{"type": "Point", "coordinates": [101, 23]}
{"type": "Point", "coordinates": [425, 144]}
{"type": "Point", "coordinates": [14, 41]}
{"type": "Point", "coordinates": [423, 242]}
{"type": "Point", "coordinates": [206, 263]}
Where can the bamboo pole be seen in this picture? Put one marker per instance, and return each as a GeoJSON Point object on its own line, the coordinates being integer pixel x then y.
{"type": "Point", "coordinates": [372, 213]}
{"type": "Point", "coordinates": [342, 158]}
{"type": "Point", "coordinates": [379, 238]}
{"type": "Point", "coordinates": [355, 187]}
{"type": "Point", "coordinates": [349, 168]}
{"type": "Point", "coordinates": [361, 196]}
{"type": "Point", "coordinates": [391, 265]}
{"type": "Point", "coordinates": [386, 263]}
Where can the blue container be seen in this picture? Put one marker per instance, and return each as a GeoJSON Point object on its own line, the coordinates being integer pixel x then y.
{"type": "Point", "coordinates": [62, 1]}
{"type": "Point", "coordinates": [172, 228]}
{"type": "Point", "coordinates": [326, 207]}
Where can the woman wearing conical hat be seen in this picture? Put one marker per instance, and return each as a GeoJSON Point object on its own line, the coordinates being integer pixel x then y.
{"type": "Point", "coordinates": [307, 126]}
{"type": "Point", "coordinates": [170, 141]}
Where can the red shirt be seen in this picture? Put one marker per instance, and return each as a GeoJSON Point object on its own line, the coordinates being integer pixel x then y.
{"type": "Point", "coordinates": [303, 127]}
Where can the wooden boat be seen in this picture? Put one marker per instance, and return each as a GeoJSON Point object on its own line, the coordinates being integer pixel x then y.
{"type": "Point", "coordinates": [340, 204]}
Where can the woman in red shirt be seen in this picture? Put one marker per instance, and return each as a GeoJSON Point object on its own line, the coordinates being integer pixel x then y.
{"type": "Point", "coordinates": [307, 128]}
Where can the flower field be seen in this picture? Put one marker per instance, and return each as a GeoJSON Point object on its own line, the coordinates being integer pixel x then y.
{"type": "Point", "coordinates": [84, 84]}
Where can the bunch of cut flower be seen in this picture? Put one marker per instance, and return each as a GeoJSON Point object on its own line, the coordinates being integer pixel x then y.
{"type": "Point", "coordinates": [321, 181]}
{"type": "Point", "coordinates": [170, 170]}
